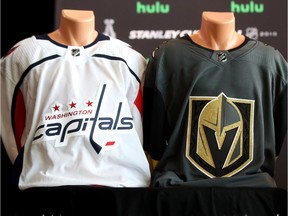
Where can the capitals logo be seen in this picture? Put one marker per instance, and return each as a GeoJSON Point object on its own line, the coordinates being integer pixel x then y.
{"type": "Point", "coordinates": [220, 134]}
{"type": "Point", "coordinates": [92, 121]}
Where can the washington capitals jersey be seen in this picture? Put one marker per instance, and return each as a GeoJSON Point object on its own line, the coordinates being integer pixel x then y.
{"type": "Point", "coordinates": [215, 118]}
{"type": "Point", "coordinates": [73, 115]}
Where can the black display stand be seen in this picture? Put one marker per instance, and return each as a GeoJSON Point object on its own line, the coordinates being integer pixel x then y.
{"type": "Point", "coordinates": [183, 201]}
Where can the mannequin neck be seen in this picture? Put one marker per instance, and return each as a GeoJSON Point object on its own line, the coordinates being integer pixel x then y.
{"type": "Point", "coordinates": [217, 31]}
{"type": "Point", "coordinates": [77, 28]}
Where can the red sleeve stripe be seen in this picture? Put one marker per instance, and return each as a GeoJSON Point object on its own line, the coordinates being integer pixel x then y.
{"type": "Point", "coordinates": [139, 101]}
{"type": "Point", "coordinates": [19, 119]}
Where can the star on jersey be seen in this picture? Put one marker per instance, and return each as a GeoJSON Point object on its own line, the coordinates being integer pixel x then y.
{"type": "Point", "coordinates": [72, 105]}
{"type": "Point", "coordinates": [56, 107]}
{"type": "Point", "coordinates": [89, 103]}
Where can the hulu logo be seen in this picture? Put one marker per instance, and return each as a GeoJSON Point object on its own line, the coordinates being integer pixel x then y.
{"type": "Point", "coordinates": [250, 7]}
{"type": "Point", "coordinates": [155, 8]}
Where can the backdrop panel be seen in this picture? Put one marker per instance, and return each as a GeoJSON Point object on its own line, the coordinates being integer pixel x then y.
{"type": "Point", "coordinates": [146, 23]}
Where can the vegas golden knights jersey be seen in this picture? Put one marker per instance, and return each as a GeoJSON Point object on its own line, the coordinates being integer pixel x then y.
{"type": "Point", "coordinates": [215, 118]}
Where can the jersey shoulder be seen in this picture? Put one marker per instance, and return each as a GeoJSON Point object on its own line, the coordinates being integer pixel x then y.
{"type": "Point", "coordinates": [119, 50]}
{"type": "Point", "coordinates": [21, 46]}
{"type": "Point", "coordinates": [173, 46]}
{"type": "Point", "coordinates": [264, 50]}
{"type": "Point", "coordinates": [118, 47]}
{"type": "Point", "coordinates": [23, 54]}
{"type": "Point", "coordinates": [27, 51]}
{"type": "Point", "coordinates": [267, 56]}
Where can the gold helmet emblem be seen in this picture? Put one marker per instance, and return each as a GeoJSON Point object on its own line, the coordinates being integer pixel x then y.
{"type": "Point", "coordinates": [222, 148]}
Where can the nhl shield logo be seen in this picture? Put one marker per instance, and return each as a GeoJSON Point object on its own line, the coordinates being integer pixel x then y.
{"type": "Point", "coordinates": [220, 134]}
{"type": "Point", "coordinates": [75, 52]}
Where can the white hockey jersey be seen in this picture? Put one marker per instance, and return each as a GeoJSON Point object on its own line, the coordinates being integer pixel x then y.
{"type": "Point", "coordinates": [73, 115]}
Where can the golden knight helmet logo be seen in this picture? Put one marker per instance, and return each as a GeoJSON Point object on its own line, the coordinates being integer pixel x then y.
{"type": "Point", "coordinates": [219, 142]}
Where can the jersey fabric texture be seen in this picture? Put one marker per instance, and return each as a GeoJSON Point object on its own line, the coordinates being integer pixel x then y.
{"type": "Point", "coordinates": [73, 115]}
{"type": "Point", "coordinates": [215, 118]}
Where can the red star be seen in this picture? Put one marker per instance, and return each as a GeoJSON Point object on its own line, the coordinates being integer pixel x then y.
{"type": "Point", "coordinates": [89, 103]}
{"type": "Point", "coordinates": [56, 107]}
{"type": "Point", "coordinates": [72, 105]}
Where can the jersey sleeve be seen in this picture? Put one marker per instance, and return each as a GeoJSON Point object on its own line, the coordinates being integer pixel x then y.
{"type": "Point", "coordinates": [137, 99]}
{"type": "Point", "coordinates": [154, 113]}
{"type": "Point", "coordinates": [9, 67]}
{"type": "Point", "coordinates": [13, 113]}
{"type": "Point", "coordinates": [280, 112]}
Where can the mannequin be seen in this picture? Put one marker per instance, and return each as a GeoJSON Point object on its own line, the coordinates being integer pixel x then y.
{"type": "Point", "coordinates": [78, 76]}
{"type": "Point", "coordinates": [217, 31]}
{"type": "Point", "coordinates": [197, 89]}
{"type": "Point", "coordinates": [77, 28]}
